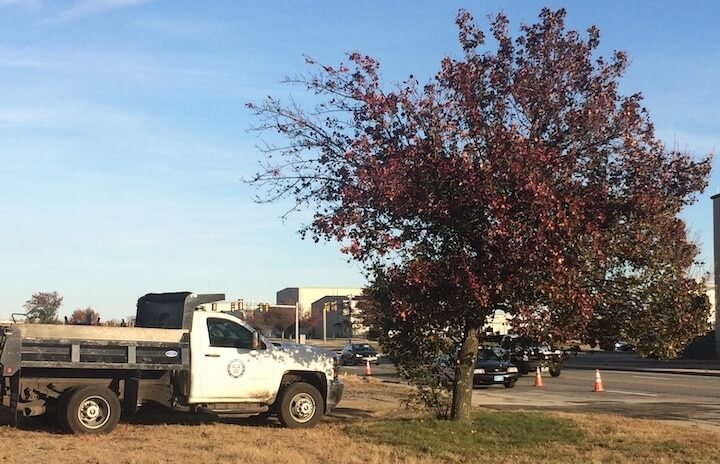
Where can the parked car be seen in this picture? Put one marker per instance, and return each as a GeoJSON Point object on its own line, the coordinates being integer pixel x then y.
{"type": "Point", "coordinates": [358, 353]}
{"type": "Point", "coordinates": [528, 354]}
{"type": "Point", "coordinates": [490, 369]}
{"type": "Point", "coordinates": [623, 346]}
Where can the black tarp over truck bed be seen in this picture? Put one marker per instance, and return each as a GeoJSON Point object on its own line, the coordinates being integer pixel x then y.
{"type": "Point", "coordinates": [170, 310]}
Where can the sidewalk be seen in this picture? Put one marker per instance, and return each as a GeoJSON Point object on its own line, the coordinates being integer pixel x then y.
{"type": "Point", "coordinates": [615, 361]}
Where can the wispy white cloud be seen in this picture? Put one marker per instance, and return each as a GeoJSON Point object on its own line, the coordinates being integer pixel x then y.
{"type": "Point", "coordinates": [184, 27]}
{"type": "Point", "coordinates": [11, 62]}
{"type": "Point", "coordinates": [69, 115]}
{"type": "Point", "coordinates": [93, 7]}
{"type": "Point", "coordinates": [43, 70]}
{"type": "Point", "coordinates": [29, 4]}
{"type": "Point", "coordinates": [18, 2]}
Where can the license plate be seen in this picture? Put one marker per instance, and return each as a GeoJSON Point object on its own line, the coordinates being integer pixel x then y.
{"type": "Point", "coordinates": [498, 378]}
{"type": "Point", "coordinates": [545, 369]}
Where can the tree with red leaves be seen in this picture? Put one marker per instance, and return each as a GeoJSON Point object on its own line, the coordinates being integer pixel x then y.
{"type": "Point", "coordinates": [87, 316]}
{"type": "Point", "coordinates": [518, 178]}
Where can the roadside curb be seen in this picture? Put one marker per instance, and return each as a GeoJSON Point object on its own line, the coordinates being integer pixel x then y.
{"type": "Point", "coordinates": [699, 372]}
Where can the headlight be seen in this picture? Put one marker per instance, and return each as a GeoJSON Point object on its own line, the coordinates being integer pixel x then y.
{"type": "Point", "coordinates": [479, 371]}
{"type": "Point", "coordinates": [512, 370]}
{"type": "Point", "coordinates": [358, 356]}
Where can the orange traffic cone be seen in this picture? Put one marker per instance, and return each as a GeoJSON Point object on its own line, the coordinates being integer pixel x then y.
{"type": "Point", "coordinates": [368, 370]}
{"type": "Point", "coordinates": [538, 378]}
{"type": "Point", "coordinates": [598, 387]}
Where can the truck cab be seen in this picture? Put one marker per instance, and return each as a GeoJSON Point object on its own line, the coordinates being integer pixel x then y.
{"type": "Point", "coordinates": [246, 368]}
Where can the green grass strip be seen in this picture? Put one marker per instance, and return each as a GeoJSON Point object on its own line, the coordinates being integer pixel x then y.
{"type": "Point", "coordinates": [488, 431]}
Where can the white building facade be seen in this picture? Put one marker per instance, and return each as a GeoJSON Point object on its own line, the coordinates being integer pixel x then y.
{"type": "Point", "coordinates": [306, 296]}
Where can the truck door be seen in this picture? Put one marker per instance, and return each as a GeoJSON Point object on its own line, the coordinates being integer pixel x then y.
{"type": "Point", "coordinates": [224, 367]}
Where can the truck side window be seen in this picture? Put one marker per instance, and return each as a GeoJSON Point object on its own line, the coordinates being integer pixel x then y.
{"type": "Point", "coordinates": [227, 334]}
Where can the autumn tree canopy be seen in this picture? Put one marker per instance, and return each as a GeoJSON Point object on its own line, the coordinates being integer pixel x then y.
{"type": "Point", "coordinates": [274, 319]}
{"type": "Point", "coordinates": [519, 177]}
{"type": "Point", "coordinates": [42, 307]}
{"type": "Point", "coordinates": [87, 316]}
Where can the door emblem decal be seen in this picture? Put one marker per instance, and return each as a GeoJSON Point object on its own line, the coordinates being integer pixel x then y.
{"type": "Point", "coordinates": [236, 368]}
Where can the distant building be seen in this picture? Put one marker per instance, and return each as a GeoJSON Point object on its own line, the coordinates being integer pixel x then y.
{"type": "Point", "coordinates": [716, 282]}
{"type": "Point", "coordinates": [710, 290]}
{"type": "Point", "coordinates": [342, 318]}
{"type": "Point", "coordinates": [306, 296]}
{"type": "Point", "coordinates": [225, 305]}
{"type": "Point", "coordinates": [499, 323]}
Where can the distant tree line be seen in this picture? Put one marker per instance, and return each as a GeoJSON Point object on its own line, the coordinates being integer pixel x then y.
{"type": "Point", "coordinates": [276, 321]}
{"type": "Point", "coordinates": [43, 308]}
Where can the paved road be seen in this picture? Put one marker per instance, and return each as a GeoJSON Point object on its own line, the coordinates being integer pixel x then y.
{"type": "Point", "coordinates": [624, 361]}
{"type": "Point", "coordinates": [384, 371]}
{"type": "Point", "coordinates": [688, 398]}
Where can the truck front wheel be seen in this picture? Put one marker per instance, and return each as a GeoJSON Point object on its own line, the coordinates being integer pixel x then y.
{"type": "Point", "coordinates": [91, 409]}
{"type": "Point", "coordinates": [301, 405]}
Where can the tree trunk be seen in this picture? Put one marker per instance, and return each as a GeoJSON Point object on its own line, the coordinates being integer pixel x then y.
{"type": "Point", "coordinates": [462, 390]}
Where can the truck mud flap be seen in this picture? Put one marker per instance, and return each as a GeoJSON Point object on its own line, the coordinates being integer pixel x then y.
{"type": "Point", "coordinates": [14, 398]}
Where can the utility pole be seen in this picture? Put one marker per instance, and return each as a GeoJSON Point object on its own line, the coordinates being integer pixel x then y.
{"type": "Point", "coordinates": [716, 239]}
{"type": "Point", "coordinates": [324, 311]}
{"type": "Point", "coordinates": [297, 322]}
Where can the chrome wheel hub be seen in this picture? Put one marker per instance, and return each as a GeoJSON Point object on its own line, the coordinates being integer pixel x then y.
{"type": "Point", "coordinates": [302, 407]}
{"type": "Point", "coordinates": [94, 412]}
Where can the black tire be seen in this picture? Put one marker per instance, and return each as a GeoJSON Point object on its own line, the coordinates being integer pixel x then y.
{"type": "Point", "coordinates": [510, 384]}
{"type": "Point", "coordinates": [61, 411]}
{"type": "Point", "coordinates": [555, 369]}
{"type": "Point", "coordinates": [523, 367]}
{"type": "Point", "coordinates": [91, 410]}
{"type": "Point", "coordinates": [301, 405]}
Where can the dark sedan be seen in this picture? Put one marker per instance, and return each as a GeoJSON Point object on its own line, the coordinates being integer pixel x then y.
{"type": "Point", "coordinates": [358, 353]}
{"type": "Point", "coordinates": [490, 369]}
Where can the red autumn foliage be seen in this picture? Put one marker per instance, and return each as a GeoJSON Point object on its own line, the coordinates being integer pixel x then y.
{"type": "Point", "coordinates": [518, 178]}
{"type": "Point", "coordinates": [87, 316]}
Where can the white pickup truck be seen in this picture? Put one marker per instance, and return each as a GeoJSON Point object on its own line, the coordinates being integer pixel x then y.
{"type": "Point", "coordinates": [185, 356]}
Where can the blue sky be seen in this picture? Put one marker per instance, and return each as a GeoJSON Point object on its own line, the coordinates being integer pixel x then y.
{"type": "Point", "coordinates": [123, 131]}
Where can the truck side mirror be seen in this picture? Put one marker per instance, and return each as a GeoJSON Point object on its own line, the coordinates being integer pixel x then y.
{"type": "Point", "coordinates": [255, 341]}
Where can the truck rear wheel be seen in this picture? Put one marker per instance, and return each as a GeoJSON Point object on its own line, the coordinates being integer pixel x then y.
{"type": "Point", "coordinates": [92, 409]}
{"type": "Point", "coordinates": [61, 408]}
{"type": "Point", "coordinates": [301, 405]}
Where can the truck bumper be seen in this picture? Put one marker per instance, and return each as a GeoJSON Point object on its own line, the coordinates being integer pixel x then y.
{"type": "Point", "coordinates": [335, 393]}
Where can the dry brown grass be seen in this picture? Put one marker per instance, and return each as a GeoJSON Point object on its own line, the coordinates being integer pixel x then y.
{"type": "Point", "coordinates": [180, 438]}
